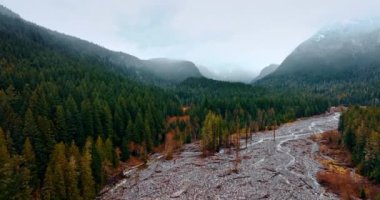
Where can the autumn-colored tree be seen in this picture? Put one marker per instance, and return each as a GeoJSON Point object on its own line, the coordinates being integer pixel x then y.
{"type": "Point", "coordinates": [72, 188]}
{"type": "Point", "coordinates": [14, 176]}
{"type": "Point", "coordinates": [48, 184]}
{"type": "Point", "coordinates": [212, 132]}
{"type": "Point", "coordinates": [58, 163]}
{"type": "Point", "coordinates": [87, 181]}
{"type": "Point", "coordinates": [30, 163]}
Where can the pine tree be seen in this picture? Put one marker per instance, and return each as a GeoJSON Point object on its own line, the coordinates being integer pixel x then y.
{"type": "Point", "coordinates": [100, 148]}
{"type": "Point", "coordinates": [47, 188]}
{"type": "Point", "coordinates": [87, 117]}
{"type": "Point", "coordinates": [74, 125]}
{"type": "Point", "coordinates": [5, 167]}
{"type": "Point", "coordinates": [138, 129]}
{"type": "Point", "coordinates": [73, 192]}
{"type": "Point", "coordinates": [60, 125]}
{"type": "Point", "coordinates": [73, 150]}
{"type": "Point", "coordinates": [30, 127]}
{"type": "Point", "coordinates": [119, 125]}
{"type": "Point", "coordinates": [44, 144]}
{"type": "Point", "coordinates": [109, 152]}
{"type": "Point", "coordinates": [147, 136]}
{"type": "Point", "coordinates": [58, 162]}
{"type": "Point", "coordinates": [108, 121]}
{"type": "Point", "coordinates": [97, 111]}
{"type": "Point", "coordinates": [30, 163]}
{"type": "Point", "coordinates": [14, 177]}
{"type": "Point", "coordinates": [87, 180]}
{"type": "Point", "coordinates": [96, 165]}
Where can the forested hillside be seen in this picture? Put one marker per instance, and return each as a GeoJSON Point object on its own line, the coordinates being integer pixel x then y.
{"type": "Point", "coordinates": [172, 70]}
{"type": "Point", "coordinates": [265, 72]}
{"type": "Point", "coordinates": [361, 136]}
{"type": "Point", "coordinates": [61, 101]}
{"type": "Point", "coordinates": [23, 36]}
{"type": "Point", "coordinates": [67, 118]}
{"type": "Point", "coordinates": [340, 61]}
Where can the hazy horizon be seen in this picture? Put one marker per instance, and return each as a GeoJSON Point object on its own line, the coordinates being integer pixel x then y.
{"type": "Point", "coordinates": [220, 35]}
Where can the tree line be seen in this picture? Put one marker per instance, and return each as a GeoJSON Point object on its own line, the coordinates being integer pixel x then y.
{"type": "Point", "coordinates": [95, 118]}
{"type": "Point", "coordinates": [220, 109]}
{"type": "Point", "coordinates": [361, 136]}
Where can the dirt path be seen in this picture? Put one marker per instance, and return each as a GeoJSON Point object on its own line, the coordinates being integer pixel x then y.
{"type": "Point", "coordinates": [281, 169]}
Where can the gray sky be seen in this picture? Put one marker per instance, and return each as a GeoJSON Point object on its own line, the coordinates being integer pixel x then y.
{"type": "Point", "coordinates": [219, 34]}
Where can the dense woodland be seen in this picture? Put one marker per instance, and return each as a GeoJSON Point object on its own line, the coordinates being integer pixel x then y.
{"type": "Point", "coordinates": [241, 106]}
{"type": "Point", "coordinates": [67, 119]}
{"type": "Point", "coordinates": [68, 109]}
{"type": "Point", "coordinates": [361, 135]}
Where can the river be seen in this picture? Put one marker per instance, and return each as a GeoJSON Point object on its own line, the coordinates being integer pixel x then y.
{"type": "Point", "coordinates": [280, 169]}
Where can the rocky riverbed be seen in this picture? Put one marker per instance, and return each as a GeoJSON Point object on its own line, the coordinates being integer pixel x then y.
{"type": "Point", "coordinates": [280, 169]}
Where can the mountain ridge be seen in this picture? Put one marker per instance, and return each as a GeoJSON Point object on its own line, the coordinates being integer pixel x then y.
{"type": "Point", "coordinates": [136, 68]}
{"type": "Point", "coordinates": [266, 71]}
{"type": "Point", "coordinates": [340, 62]}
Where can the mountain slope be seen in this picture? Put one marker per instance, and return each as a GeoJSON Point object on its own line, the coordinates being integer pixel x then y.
{"type": "Point", "coordinates": [13, 27]}
{"type": "Point", "coordinates": [171, 70]}
{"type": "Point", "coordinates": [63, 103]}
{"type": "Point", "coordinates": [230, 75]}
{"type": "Point", "coordinates": [341, 61]}
{"type": "Point", "coordinates": [266, 71]}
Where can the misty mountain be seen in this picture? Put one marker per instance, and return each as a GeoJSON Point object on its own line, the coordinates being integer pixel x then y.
{"type": "Point", "coordinates": [172, 70]}
{"type": "Point", "coordinates": [6, 12]}
{"type": "Point", "coordinates": [157, 71]}
{"type": "Point", "coordinates": [341, 59]}
{"type": "Point", "coordinates": [266, 71]}
{"type": "Point", "coordinates": [230, 75]}
{"type": "Point", "coordinates": [335, 52]}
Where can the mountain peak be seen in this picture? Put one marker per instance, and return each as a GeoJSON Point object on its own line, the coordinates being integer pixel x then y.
{"type": "Point", "coordinates": [337, 53]}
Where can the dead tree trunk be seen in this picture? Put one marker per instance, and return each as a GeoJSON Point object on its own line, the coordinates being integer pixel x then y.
{"type": "Point", "coordinates": [237, 151]}
{"type": "Point", "coordinates": [246, 136]}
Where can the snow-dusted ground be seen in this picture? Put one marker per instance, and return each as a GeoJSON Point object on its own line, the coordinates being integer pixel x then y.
{"type": "Point", "coordinates": [281, 169]}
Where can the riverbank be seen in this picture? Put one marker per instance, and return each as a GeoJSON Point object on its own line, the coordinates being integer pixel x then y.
{"type": "Point", "coordinates": [338, 174]}
{"type": "Point", "coordinates": [267, 169]}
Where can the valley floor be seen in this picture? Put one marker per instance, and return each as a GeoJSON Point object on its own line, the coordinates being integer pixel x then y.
{"type": "Point", "coordinates": [280, 169]}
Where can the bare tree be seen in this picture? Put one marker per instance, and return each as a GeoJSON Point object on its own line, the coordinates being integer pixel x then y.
{"type": "Point", "coordinates": [246, 135]}
{"type": "Point", "coordinates": [237, 148]}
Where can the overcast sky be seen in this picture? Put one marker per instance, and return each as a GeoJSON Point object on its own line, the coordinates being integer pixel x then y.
{"type": "Point", "coordinates": [219, 34]}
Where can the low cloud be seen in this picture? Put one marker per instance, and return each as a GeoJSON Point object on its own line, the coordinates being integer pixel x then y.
{"type": "Point", "coordinates": [243, 34]}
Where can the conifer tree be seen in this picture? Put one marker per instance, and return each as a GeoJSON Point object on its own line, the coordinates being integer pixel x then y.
{"type": "Point", "coordinates": [30, 162]}
{"type": "Point", "coordinates": [5, 167]}
{"type": "Point", "coordinates": [30, 127]}
{"type": "Point", "coordinates": [47, 188]}
{"type": "Point", "coordinates": [138, 129]}
{"type": "Point", "coordinates": [87, 181]}
{"type": "Point", "coordinates": [60, 125]}
{"type": "Point", "coordinates": [58, 164]}
{"type": "Point", "coordinates": [73, 192]}
{"type": "Point", "coordinates": [87, 117]}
